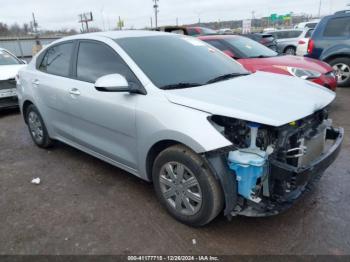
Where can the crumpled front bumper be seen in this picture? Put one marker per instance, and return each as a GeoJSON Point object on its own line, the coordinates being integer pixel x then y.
{"type": "Point", "coordinates": [303, 179]}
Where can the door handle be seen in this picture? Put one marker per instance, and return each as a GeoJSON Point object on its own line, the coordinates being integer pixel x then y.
{"type": "Point", "coordinates": [74, 91]}
{"type": "Point", "coordinates": [35, 82]}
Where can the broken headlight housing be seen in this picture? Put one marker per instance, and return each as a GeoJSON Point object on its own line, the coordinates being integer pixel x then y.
{"type": "Point", "coordinates": [303, 73]}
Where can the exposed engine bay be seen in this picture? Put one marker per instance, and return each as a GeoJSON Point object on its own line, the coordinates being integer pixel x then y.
{"type": "Point", "coordinates": [272, 166]}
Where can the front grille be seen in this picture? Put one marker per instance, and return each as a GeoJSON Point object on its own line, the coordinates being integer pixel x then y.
{"type": "Point", "coordinates": [7, 84]}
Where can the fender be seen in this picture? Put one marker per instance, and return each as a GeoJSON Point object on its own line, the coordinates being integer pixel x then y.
{"type": "Point", "coordinates": [337, 50]}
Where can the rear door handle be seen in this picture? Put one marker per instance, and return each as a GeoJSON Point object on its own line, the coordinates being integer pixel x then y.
{"type": "Point", "coordinates": [74, 91]}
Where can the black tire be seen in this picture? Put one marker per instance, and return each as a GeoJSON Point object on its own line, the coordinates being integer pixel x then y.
{"type": "Point", "coordinates": [212, 196]}
{"type": "Point", "coordinates": [336, 64]}
{"type": "Point", "coordinates": [44, 141]}
{"type": "Point", "coordinates": [290, 50]}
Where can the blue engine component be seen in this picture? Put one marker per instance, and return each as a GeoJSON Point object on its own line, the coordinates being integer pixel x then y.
{"type": "Point", "coordinates": [249, 165]}
{"type": "Point", "coordinates": [247, 172]}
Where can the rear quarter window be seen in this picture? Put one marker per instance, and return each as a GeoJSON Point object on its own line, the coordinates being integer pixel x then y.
{"type": "Point", "coordinates": [338, 27]}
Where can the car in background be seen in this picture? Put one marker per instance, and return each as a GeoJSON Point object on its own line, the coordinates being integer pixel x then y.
{"type": "Point", "coordinates": [330, 42]}
{"type": "Point", "coordinates": [187, 30]}
{"type": "Point", "coordinates": [267, 40]}
{"type": "Point", "coordinates": [304, 42]}
{"type": "Point", "coordinates": [256, 57]}
{"type": "Point", "coordinates": [9, 66]}
{"type": "Point", "coordinates": [287, 40]}
{"type": "Point", "coordinates": [225, 31]}
{"type": "Point", "coordinates": [310, 24]}
{"type": "Point", "coordinates": [269, 29]}
{"type": "Point", "coordinates": [184, 116]}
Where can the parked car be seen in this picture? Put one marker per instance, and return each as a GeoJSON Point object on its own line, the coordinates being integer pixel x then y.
{"type": "Point", "coordinates": [9, 66]}
{"type": "Point", "coordinates": [287, 40]}
{"type": "Point", "coordinates": [187, 30]}
{"type": "Point", "coordinates": [256, 57]}
{"type": "Point", "coordinates": [310, 24]}
{"type": "Point", "coordinates": [267, 40]}
{"type": "Point", "coordinates": [330, 42]}
{"type": "Point", "coordinates": [225, 31]}
{"type": "Point", "coordinates": [185, 116]}
{"type": "Point", "coordinates": [304, 42]}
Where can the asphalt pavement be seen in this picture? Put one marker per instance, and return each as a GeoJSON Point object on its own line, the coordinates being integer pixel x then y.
{"type": "Point", "coordinates": [86, 206]}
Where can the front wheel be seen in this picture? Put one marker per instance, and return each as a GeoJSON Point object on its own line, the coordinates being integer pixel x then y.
{"type": "Point", "coordinates": [37, 128]}
{"type": "Point", "coordinates": [186, 187]}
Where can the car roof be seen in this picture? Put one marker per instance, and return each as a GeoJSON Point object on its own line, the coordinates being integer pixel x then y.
{"type": "Point", "coordinates": [209, 37]}
{"type": "Point", "coordinates": [117, 34]}
{"type": "Point", "coordinates": [283, 30]}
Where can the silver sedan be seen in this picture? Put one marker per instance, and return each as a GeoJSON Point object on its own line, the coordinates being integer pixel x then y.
{"type": "Point", "coordinates": [176, 112]}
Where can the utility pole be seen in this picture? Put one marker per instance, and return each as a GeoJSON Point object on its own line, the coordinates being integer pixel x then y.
{"type": "Point", "coordinates": [37, 46]}
{"type": "Point", "coordinates": [155, 6]}
{"type": "Point", "coordinates": [151, 22]}
{"type": "Point", "coordinates": [319, 9]}
{"type": "Point", "coordinates": [177, 21]}
{"type": "Point", "coordinates": [85, 18]}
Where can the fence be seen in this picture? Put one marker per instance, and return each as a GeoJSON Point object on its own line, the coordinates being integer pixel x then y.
{"type": "Point", "coordinates": [23, 47]}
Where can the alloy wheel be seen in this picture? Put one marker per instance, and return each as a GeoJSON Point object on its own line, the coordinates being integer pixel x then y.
{"type": "Point", "coordinates": [180, 188]}
{"type": "Point", "coordinates": [35, 126]}
{"type": "Point", "coordinates": [342, 71]}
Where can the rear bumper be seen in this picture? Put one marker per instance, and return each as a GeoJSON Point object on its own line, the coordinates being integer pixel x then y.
{"type": "Point", "coordinates": [302, 178]}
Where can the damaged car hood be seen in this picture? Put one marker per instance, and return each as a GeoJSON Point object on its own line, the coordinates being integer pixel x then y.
{"type": "Point", "coordinates": [261, 97]}
{"type": "Point", "coordinates": [9, 71]}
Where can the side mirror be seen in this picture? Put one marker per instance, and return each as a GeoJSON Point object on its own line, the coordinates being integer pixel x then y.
{"type": "Point", "coordinates": [112, 83]}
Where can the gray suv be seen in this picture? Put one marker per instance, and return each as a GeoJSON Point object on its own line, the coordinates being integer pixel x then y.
{"type": "Point", "coordinates": [287, 40]}
{"type": "Point", "coordinates": [177, 112]}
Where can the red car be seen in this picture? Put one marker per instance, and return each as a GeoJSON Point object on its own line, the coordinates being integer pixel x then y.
{"type": "Point", "coordinates": [254, 56]}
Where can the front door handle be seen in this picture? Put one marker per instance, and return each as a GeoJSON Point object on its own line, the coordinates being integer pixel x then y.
{"type": "Point", "coordinates": [74, 91]}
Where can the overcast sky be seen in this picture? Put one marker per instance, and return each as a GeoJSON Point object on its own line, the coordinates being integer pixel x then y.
{"type": "Point", "coordinates": [58, 14]}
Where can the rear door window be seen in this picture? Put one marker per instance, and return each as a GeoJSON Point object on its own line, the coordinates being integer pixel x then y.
{"type": "Point", "coordinates": [338, 27]}
{"type": "Point", "coordinates": [57, 60]}
{"type": "Point", "coordinates": [293, 34]}
{"type": "Point", "coordinates": [309, 33]}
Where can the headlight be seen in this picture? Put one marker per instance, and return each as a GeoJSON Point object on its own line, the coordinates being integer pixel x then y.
{"type": "Point", "coordinates": [303, 73]}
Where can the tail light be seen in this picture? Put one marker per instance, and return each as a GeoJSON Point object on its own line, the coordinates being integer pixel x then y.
{"type": "Point", "coordinates": [310, 46]}
{"type": "Point", "coordinates": [301, 42]}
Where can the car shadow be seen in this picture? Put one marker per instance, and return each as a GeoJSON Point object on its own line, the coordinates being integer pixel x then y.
{"type": "Point", "coordinates": [8, 112]}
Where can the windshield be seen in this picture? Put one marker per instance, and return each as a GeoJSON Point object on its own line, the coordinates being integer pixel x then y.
{"type": "Point", "coordinates": [247, 48]}
{"type": "Point", "coordinates": [170, 60]}
{"type": "Point", "coordinates": [8, 59]}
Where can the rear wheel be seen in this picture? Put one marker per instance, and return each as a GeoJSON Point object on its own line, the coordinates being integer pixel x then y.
{"type": "Point", "coordinates": [290, 50]}
{"type": "Point", "coordinates": [186, 188]}
{"type": "Point", "coordinates": [341, 67]}
{"type": "Point", "coordinates": [37, 128]}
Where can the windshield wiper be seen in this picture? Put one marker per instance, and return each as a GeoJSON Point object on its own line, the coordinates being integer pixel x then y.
{"type": "Point", "coordinates": [226, 76]}
{"type": "Point", "coordinates": [179, 86]}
